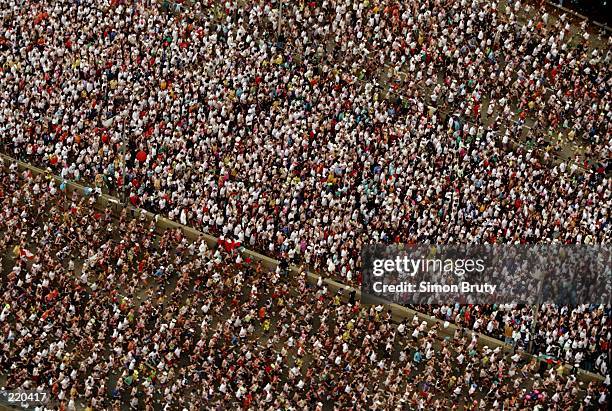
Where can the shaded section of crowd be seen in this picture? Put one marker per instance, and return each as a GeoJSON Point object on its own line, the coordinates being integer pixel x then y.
{"type": "Point", "coordinates": [108, 313]}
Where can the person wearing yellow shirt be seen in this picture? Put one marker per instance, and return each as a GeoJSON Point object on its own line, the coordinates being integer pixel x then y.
{"type": "Point", "coordinates": [560, 370]}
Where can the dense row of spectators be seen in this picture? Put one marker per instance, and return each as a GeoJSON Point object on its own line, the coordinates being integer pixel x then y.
{"type": "Point", "coordinates": [298, 156]}
{"type": "Point", "coordinates": [579, 336]}
{"type": "Point", "coordinates": [109, 313]}
{"type": "Point", "coordinates": [290, 141]}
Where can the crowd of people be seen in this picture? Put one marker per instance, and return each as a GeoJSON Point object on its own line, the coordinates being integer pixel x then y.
{"type": "Point", "coordinates": [107, 311]}
{"type": "Point", "coordinates": [293, 150]}
{"type": "Point", "coordinates": [336, 124]}
{"type": "Point", "coordinates": [579, 336]}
